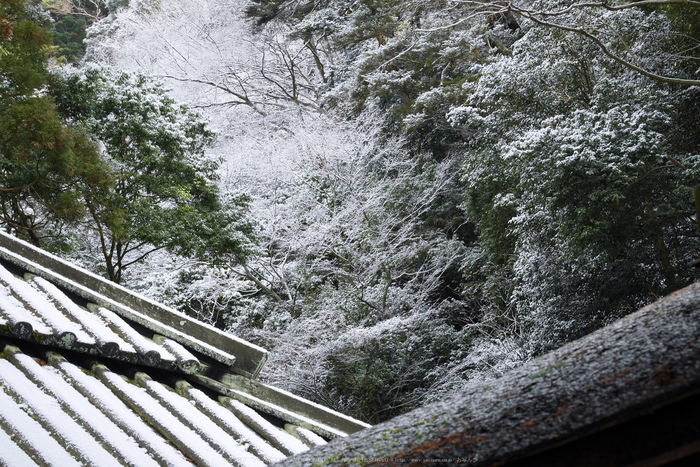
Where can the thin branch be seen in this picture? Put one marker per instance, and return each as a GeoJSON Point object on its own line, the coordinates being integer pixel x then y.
{"type": "Point", "coordinates": [464, 20]}
{"type": "Point", "coordinates": [396, 57]}
{"type": "Point", "coordinates": [603, 4]}
{"type": "Point", "coordinates": [244, 100]}
{"type": "Point", "coordinates": [153, 250]}
{"type": "Point", "coordinates": [606, 51]}
{"type": "Point", "coordinates": [537, 17]}
{"type": "Point", "coordinates": [257, 281]}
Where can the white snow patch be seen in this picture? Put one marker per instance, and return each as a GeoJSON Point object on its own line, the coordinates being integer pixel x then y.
{"type": "Point", "coordinates": [234, 425]}
{"type": "Point", "coordinates": [165, 419]}
{"type": "Point", "coordinates": [47, 409]}
{"type": "Point", "coordinates": [310, 436]}
{"type": "Point", "coordinates": [12, 455]}
{"type": "Point", "coordinates": [142, 344]}
{"type": "Point", "coordinates": [123, 416]}
{"type": "Point", "coordinates": [215, 352]}
{"type": "Point", "coordinates": [15, 311]}
{"type": "Point", "coordinates": [40, 304]}
{"type": "Point", "coordinates": [282, 438]}
{"type": "Point", "coordinates": [93, 324]}
{"type": "Point", "coordinates": [178, 351]}
{"type": "Point", "coordinates": [104, 429]}
{"type": "Point", "coordinates": [313, 404]}
{"type": "Point", "coordinates": [293, 416]}
{"type": "Point", "coordinates": [204, 426]}
{"type": "Point", "coordinates": [30, 433]}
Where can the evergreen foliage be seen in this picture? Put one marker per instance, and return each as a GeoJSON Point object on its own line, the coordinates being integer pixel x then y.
{"type": "Point", "coordinates": [44, 163]}
{"type": "Point", "coordinates": [573, 179]}
{"type": "Point", "coordinates": [68, 35]}
{"type": "Point", "coordinates": [164, 195]}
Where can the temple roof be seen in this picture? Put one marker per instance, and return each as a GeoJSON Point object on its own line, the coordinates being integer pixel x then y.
{"type": "Point", "coordinates": [93, 374]}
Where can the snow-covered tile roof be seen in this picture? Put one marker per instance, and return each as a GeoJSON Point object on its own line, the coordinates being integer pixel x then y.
{"type": "Point", "coordinates": [91, 374]}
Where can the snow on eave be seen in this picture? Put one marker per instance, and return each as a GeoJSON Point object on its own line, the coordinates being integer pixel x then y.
{"type": "Point", "coordinates": [244, 358]}
{"type": "Point", "coordinates": [329, 429]}
{"type": "Point", "coordinates": [280, 397]}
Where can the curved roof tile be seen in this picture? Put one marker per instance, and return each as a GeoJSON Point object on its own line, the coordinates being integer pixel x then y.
{"type": "Point", "coordinates": [92, 374]}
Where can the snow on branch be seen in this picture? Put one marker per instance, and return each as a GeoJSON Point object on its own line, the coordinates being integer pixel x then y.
{"type": "Point", "coordinates": [545, 17]}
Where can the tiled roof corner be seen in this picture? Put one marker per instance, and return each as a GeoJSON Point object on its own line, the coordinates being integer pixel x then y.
{"type": "Point", "coordinates": [97, 375]}
{"type": "Point", "coordinates": [244, 358]}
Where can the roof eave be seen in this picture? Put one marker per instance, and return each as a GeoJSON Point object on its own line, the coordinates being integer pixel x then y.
{"type": "Point", "coordinates": [242, 357]}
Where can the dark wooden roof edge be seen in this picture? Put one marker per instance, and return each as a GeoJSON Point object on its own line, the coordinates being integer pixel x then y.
{"type": "Point", "coordinates": [242, 357]}
{"type": "Point", "coordinates": [631, 375]}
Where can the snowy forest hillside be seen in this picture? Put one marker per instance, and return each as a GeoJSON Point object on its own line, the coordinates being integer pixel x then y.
{"type": "Point", "coordinates": [396, 198]}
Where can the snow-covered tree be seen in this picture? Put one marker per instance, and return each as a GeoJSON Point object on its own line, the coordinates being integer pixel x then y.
{"type": "Point", "coordinates": [445, 189]}
{"type": "Point", "coordinates": [576, 177]}
{"type": "Point", "coordinates": [43, 160]}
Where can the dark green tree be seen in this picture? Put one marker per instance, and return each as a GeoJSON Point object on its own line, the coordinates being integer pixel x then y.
{"type": "Point", "coordinates": [44, 164]}
{"type": "Point", "coordinates": [68, 35]}
{"type": "Point", "coordinates": [165, 196]}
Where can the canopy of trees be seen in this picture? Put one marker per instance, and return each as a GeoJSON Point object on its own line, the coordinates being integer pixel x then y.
{"type": "Point", "coordinates": [444, 189]}
{"type": "Point", "coordinates": [96, 154]}
{"type": "Point", "coordinates": [164, 195]}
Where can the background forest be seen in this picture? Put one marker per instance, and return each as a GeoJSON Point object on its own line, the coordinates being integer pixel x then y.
{"type": "Point", "coordinates": [396, 198]}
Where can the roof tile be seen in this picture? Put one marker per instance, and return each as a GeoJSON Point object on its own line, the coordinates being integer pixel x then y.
{"type": "Point", "coordinates": [86, 379]}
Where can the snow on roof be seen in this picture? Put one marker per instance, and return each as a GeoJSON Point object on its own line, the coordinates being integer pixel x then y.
{"type": "Point", "coordinates": [243, 357]}
{"type": "Point", "coordinates": [94, 375]}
